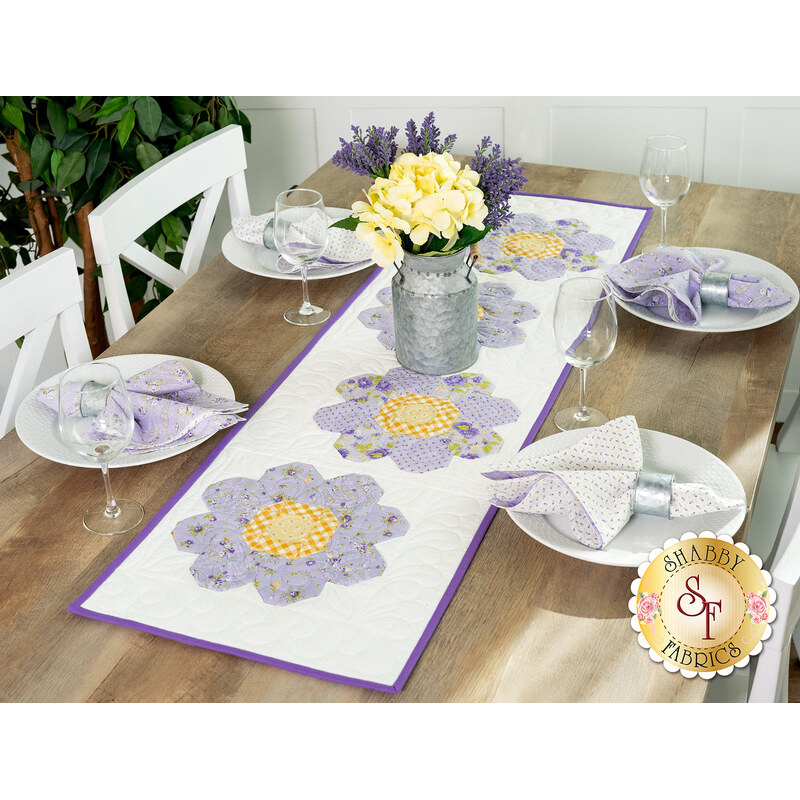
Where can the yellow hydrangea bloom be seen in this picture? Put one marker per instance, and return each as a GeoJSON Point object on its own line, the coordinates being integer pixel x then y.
{"type": "Point", "coordinates": [423, 196]}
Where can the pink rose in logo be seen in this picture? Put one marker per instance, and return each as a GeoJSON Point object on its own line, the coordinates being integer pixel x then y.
{"type": "Point", "coordinates": [648, 608]}
{"type": "Point", "coordinates": [757, 606]}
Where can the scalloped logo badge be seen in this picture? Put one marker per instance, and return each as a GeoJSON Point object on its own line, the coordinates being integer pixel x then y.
{"type": "Point", "coordinates": [702, 605]}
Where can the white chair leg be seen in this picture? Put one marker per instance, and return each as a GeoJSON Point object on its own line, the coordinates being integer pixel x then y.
{"type": "Point", "coordinates": [788, 440]}
{"type": "Point", "coordinates": [771, 664]}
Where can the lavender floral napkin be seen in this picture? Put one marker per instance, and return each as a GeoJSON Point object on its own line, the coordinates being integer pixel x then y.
{"type": "Point", "coordinates": [344, 249]}
{"type": "Point", "coordinates": [169, 408]}
{"type": "Point", "coordinates": [669, 282]}
{"type": "Point", "coordinates": [593, 483]}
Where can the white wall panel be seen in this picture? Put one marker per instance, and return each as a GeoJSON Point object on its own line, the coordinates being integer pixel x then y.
{"type": "Point", "coordinates": [770, 149]}
{"type": "Point", "coordinates": [612, 138]}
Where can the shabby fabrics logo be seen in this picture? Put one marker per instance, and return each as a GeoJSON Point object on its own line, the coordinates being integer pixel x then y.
{"type": "Point", "coordinates": [702, 605]}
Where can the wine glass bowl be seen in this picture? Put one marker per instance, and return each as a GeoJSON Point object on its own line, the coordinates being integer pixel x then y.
{"type": "Point", "coordinates": [664, 174]}
{"type": "Point", "coordinates": [585, 330]}
{"type": "Point", "coordinates": [95, 420]}
{"type": "Point", "coordinates": [300, 232]}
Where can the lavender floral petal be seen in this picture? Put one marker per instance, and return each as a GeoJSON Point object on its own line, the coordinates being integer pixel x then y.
{"type": "Point", "coordinates": [378, 524]}
{"type": "Point", "coordinates": [366, 443]}
{"type": "Point", "coordinates": [493, 290]}
{"type": "Point", "coordinates": [414, 454]}
{"type": "Point", "coordinates": [463, 383]}
{"type": "Point", "coordinates": [291, 581]}
{"type": "Point", "coordinates": [486, 411]}
{"type": "Point", "coordinates": [384, 296]}
{"type": "Point", "coordinates": [362, 388]}
{"type": "Point", "coordinates": [195, 534]}
{"type": "Point", "coordinates": [497, 336]}
{"type": "Point", "coordinates": [588, 242]}
{"type": "Point", "coordinates": [353, 562]}
{"type": "Point", "coordinates": [381, 319]}
{"type": "Point", "coordinates": [404, 381]}
{"type": "Point", "coordinates": [225, 563]}
{"type": "Point", "coordinates": [467, 441]}
{"type": "Point", "coordinates": [295, 481]}
{"type": "Point", "coordinates": [350, 497]}
{"type": "Point", "coordinates": [235, 497]}
{"type": "Point", "coordinates": [347, 416]}
{"type": "Point", "coordinates": [497, 301]}
{"type": "Point", "coordinates": [545, 269]}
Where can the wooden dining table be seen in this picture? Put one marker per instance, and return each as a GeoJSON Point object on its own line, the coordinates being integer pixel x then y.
{"type": "Point", "coordinates": [527, 623]}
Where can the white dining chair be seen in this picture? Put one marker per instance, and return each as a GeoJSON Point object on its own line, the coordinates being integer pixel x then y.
{"type": "Point", "coordinates": [203, 167]}
{"type": "Point", "coordinates": [33, 299]}
{"type": "Point", "coordinates": [778, 508]}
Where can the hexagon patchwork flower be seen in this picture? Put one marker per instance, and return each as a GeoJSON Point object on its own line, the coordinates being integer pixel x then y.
{"type": "Point", "coordinates": [539, 249]}
{"type": "Point", "coordinates": [289, 533]}
{"type": "Point", "coordinates": [499, 316]}
{"type": "Point", "coordinates": [418, 421]}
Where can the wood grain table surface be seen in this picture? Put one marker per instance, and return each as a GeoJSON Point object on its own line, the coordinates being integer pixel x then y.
{"type": "Point", "coordinates": [527, 623]}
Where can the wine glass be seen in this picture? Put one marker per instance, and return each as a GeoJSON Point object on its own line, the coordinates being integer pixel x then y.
{"type": "Point", "coordinates": [300, 230]}
{"type": "Point", "coordinates": [96, 422]}
{"type": "Point", "coordinates": [664, 175]}
{"type": "Point", "coordinates": [585, 327]}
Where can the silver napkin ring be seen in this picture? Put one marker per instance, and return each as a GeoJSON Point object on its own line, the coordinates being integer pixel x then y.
{"type": "Point", "coordinates": [652, 493]}
{"type": "Point", "coordinates": [714, 288]}
{"type": "Point", "coordinates": [93, 400]}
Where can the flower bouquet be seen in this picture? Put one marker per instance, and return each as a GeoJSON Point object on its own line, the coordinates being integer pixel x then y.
{"type": "Point", "coordinates": [423, 201]}
{"type": "Point", "coordinates": [421, 214]}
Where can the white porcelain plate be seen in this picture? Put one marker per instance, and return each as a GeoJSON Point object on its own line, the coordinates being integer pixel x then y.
{"type": "Point", "coordinates": [721, 319]}
{"type": "Point", "coordinates": [262, 261]}
{"type": "Point", "coordinates": [632, 545]}
{"type": "Point", "coordinates": [37, 425]}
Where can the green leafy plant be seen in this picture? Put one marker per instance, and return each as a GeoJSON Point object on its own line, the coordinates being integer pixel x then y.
{"type": "Point", "coordinates": [71, 153]}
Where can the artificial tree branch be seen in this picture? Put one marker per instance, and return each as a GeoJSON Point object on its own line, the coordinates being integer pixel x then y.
{"type": "Point", "coordinates": [92, 309]}
{"type": "Point", "coordinates": [38, 215]}
{"type": "Point", "coordinates": [55, 221]}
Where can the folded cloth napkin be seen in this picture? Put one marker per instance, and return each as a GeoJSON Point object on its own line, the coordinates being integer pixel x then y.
{"type": "Point", "coordinates": [344, 248]}
{"type": "Point", "coordinates": [169, 408]}
{"type": "Point", "coordinates": [674, 282]}
{"type": "Point", "coordinates": [593, 482]}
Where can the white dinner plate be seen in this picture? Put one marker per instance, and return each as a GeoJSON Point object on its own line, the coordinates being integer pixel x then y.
{"type": "Point", "coordinates": [263, 261]}
{"type": "Point", "coordinates": [632, 545]}
{"type": "Point", "coordinates": [722, 319]}
{"type": "Point", "coordinates": [37, 425]}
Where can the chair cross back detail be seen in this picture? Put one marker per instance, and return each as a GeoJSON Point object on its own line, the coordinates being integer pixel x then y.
{"type": "Point", "coordinates": [203, 167]}
{"type": "Point", "coordinates": [34, 298]}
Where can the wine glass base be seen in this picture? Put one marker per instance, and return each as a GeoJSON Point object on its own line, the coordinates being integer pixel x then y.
{"type": "Point", "coordinates": [571, 419]}
{"type": "Point", "coordinates": [313, 315]}
{"type": "Point", "coordinates": [130, 515]}
{"type": "Point", "coordinates": [653, 248]}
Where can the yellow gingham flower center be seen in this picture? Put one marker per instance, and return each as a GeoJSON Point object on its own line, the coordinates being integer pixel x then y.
{"type": "Point", "coordinates": [417, 415]}
{"type": "Point", "coordinates": [532, 245]}
{"type": "Point", "coordinates": [290, 529]}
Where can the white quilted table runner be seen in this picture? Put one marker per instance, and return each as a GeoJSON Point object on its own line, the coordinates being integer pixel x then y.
{"type": "Point", "coordinates": [328, 532]}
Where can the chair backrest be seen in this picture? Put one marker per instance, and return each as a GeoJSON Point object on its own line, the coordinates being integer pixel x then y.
{"type": "Point", "coordinates": [33, 298]}
{"type": "Point", "coordinates": [770, 679]}
{"type": "Point", "coordinates": [203, 167]}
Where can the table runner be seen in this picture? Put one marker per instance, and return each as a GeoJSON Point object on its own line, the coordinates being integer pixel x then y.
{"type": "Point", "coordinates": [320, 540]}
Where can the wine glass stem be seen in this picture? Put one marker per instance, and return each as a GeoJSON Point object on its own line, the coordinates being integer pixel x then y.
{"type": "Point", "coordinates": [112, 509]}
{"type": "Point", "coordinates": [582, 413]}
{"type": "Point", "coordinates": [306, 307]}
{"type": "Point", "coordinates": [663, 226]}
